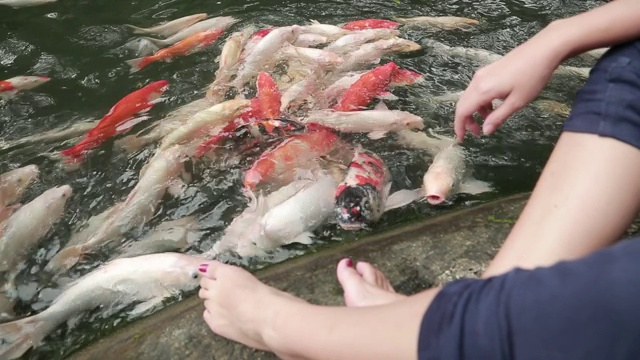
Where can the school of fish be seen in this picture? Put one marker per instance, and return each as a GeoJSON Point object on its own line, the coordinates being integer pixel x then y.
{"type": "Point", "coordinates": [287, 97]}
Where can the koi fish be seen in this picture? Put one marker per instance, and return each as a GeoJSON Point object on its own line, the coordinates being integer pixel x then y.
{"type": "Point", "coordinates": [16, 84]}
{"type": "Point", "coordinates": [439, 22]}
{"type": "Point", "coordinates": [370, 85]}
{"type": "Point", "coordinates": [376, 122]}
{"type": "Point", "coordinates": [145, 281]}
{"type": "Point", "coordinates": [355, 39]}
{"type": "Point", "coordinates": [447, 175]}
{"type": "Point", "coordinates": [217, 23]}
{"type": "Point", "coordinates": [24, 3]}
{"type": "Point", "coordinates": [297, 152]}
{"type": "Point", "coordinates": [370, 24]}
{"type": "Point", "coordinates": [187, 46]}
{"type": "Point", "coordinates": [360, 199]}
{"type": "Point", "coordinates": [119, 119]}
{"type": "Point", "coordinates": [262, 53]}
{"type": "Point", "coordinates": [253, 41]}
{"type": "Point", "coordinates": [227, 63]}
{"type": "Point", "coordinates": [257, 129]}
{"type": "Point", "coordinates": [268, 97]}
{"type": "Point", "coordinates": [170, 27]}
{"type": "Point", "coordinates": [14, 183]}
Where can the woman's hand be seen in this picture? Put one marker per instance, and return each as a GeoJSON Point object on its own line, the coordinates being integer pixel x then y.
{"type": "Point", "coordinates": [517, 78]}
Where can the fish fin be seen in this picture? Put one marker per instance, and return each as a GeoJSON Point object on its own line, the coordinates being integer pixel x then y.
{"type": "Point", "coordinates": [137, 30]}
{"type": "Point", "coordinates": [305, 238]}
{"type": "Point", "coordinates": [176, 187]}
{"type": "Point", "coordinates": [387, 96]}
{"type": "Point", "coordinates": [474, 186]}
{"type": "Point", "coordinates": [65, 259]}
{"type": "Point", "coordinates": [381, 106]}
{"type": "Point", "coordinates": [402, 198]}
{"type": "Point", "coordinates": [145, 307]}
{"type": "Point", "coordinates": [156, 42]}
{"type": "Point", "coordinates": [377, 135]}
{"type": "Point", "coordinates": [127, 125]}
{"type": "Point", "coordinates": [137, 64]}
{"type": "Point", "coordinates": [314, 22]}
{"type": "Point", "coordinates": [19, 336]}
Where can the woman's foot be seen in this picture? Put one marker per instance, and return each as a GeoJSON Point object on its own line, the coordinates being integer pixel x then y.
{"type": "Point", "coordinates": [364, 285]}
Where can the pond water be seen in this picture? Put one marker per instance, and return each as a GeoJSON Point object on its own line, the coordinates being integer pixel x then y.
{"type": "Point", "coordinates": [80, 45]}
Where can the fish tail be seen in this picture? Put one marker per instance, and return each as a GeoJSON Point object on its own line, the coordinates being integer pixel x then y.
{"type": "Point", "coordinates": [157, 42]}
{"type": "Point", "coordinates": [18, 336]}
{"type": "Point", "coordinates": [139, 63]}
{"type": "Point", "coordinates": [66, 259]}
{"type": "Point", "coordinates": [74, 152]}
{"type": "Point", "coordinates": [137, 30]}
{"type": "Point", "coordinates": [405, 77]}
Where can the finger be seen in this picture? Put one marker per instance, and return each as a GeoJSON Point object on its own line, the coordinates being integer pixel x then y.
{"type": "Point", "coordinates": [485, 110]}
{"type": "Point", "coordinates": [470, 102]}
{"type": "Point", "coordinates": [500, 115]}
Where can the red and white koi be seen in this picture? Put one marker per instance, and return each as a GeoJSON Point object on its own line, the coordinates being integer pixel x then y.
{"type": "Point", "coordinates": [298, 152]}
{"type": "Point", "coordinates": [119, 119]}
{"type": "Point", "coordinates": [361, 198]}
{"type": "Point", "coordinates": [12, 86]}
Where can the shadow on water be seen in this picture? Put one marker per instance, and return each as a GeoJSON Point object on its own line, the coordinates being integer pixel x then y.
{"type": "Point", "coordinates": [79, 44]}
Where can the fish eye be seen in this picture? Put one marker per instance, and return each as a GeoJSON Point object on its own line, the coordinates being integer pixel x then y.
{"type": "Point", "coordinates": [194, 275]}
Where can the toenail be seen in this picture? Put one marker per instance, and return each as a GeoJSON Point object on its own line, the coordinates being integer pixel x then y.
{"type": "Point", "coordinates": [349, 263]}
{"type": "Point", "coordinates": [203, 268]}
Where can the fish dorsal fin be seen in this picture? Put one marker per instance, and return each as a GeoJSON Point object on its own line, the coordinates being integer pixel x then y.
{"type": "Point", "coordinates": [314, 22]}
{"type": "Point", "coordinates": [381, 106]}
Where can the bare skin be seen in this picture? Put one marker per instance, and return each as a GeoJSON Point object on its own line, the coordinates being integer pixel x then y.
{"type": "Point", "coordinates": [365, 285]}
{"type": "Point", "coordinates": [232, 296]}
{"type": "Point", "coordinates": [588, 193]}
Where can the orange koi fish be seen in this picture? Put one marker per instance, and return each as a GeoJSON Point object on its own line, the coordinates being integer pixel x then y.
{"type": "Point", "coordinates": [370, 85]}
{"type": "Point", "coordinates": [297, 152]}
{"type": "Point", "coordinates": [192, 44]}
{"type": "Point", "coordinates": [120, 118]}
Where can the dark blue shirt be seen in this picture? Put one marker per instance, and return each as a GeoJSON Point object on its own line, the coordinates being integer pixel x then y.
{"type": "Point", "coordinates": [584, 309]}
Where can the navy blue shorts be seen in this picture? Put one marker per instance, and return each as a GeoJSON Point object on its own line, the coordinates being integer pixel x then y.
{"type": "Point", "coordinates": [609, 102]}
{"type": "Point", "coordinates": [584, 309]}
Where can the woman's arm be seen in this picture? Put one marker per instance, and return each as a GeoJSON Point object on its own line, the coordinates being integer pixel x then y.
{"type": "Point", "coordinates": [305, 331]}
{"type": "Point", "coordinates": [607, 25]}
{"type": "Point", "coordinates": [520, 76]}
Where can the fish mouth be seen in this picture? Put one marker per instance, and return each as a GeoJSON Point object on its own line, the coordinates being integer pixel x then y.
{"type": "Point", "coordinates": [352, 226]}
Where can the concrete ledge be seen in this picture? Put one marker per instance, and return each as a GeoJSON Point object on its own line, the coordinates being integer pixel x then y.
{"type": "Point", "coordinates": [415, 257]}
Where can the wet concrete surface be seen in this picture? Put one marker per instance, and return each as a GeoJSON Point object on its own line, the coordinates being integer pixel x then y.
{"type": "Point", "coordinates": [414, 257]}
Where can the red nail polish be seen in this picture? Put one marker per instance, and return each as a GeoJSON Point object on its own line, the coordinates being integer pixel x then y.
{"type": "Point", "coordinates": [349, 263]}
{"type": "Point", "coordinates": [203, 268]}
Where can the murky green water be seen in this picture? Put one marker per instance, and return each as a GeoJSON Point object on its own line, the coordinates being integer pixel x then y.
{"type": "Point", "coordinates": [80, 45]}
